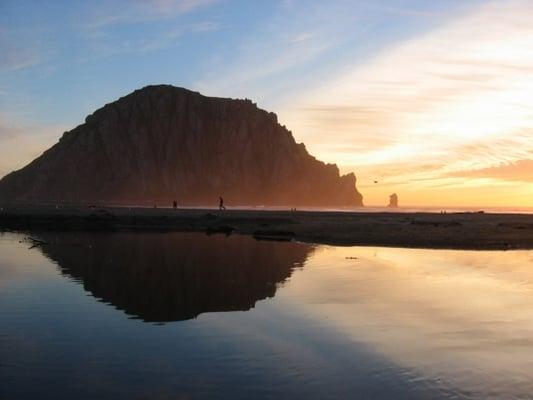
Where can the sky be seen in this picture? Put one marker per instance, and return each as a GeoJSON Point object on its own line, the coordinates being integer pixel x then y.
{"type": "Point", "coordinates": [433, 100]}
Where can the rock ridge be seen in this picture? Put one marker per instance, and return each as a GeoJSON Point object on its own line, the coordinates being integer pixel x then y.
{"type": "Point", "coordinates": [162, 142]}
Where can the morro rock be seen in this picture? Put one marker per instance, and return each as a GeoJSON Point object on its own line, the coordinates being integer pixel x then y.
{"type": "Point", "coordinates": [162, 143]}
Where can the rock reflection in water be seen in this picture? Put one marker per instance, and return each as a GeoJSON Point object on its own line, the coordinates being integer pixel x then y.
{"type": "Point", "coordinates": [163, 277]}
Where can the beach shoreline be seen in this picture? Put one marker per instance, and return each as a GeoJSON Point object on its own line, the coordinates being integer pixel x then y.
{"type": "Point", "coordinates": [466, 230]}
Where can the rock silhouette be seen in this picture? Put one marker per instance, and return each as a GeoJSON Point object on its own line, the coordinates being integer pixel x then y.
{"type": "Point", "coordinates": [161, 142]}
{"type": "Point", "coordinates": [393, 200]}
{"type": "Point", "coordinates": [163, 277]}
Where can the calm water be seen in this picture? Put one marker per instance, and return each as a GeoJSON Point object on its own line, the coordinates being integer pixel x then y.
{"type": "Point", "coordinates": [190, 316]}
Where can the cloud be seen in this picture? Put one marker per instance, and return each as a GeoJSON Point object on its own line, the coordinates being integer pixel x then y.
{"type": "Point", "coordinates": [459, 97]}
{"type": "Point", "coordinates": [103, 35]}
{"type": "Point", "coordinates": [16, 56]}
{"type": "Point", "coordinates": [127, 12]}
{"type": "Point", "coordinates": [98, 30]}
{"type": "Point", "coordinates": [14, 59]}
{"type": "Point", "coordinates": [520, 170]}
{"type": "Point", "coordinates": [267, 63]}
{"type": "Point", "coordinates": [159, 41]}
{"type": "Point", "coordinates": [302, 37]}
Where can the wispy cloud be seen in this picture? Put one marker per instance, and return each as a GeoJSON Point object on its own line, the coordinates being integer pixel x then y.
{"type": "Point", "coordinates": [518, 170]}
{"type": "Point", "coordinates": [162, 21]}
{"type": "Point", "coordinates": [15, 56]}
{"type": "Point", "coordinates": [264, 63]}
{"type": "Point", "coordinates": [14, 59]}
{"type": "Point", "coordinates": [127, 12]}
{"type": "Point", "coordinates": [100, 29]}
{"type": "Point", "coordinates": [458, 98]}
{"type": "Point", "coordinates": [104, 45]}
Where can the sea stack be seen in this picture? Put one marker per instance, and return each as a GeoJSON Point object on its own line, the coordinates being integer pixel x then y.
{"type": "Point", "coordinates": [393, 201]}
{"type": "Point", "coordinates": [162, 143]}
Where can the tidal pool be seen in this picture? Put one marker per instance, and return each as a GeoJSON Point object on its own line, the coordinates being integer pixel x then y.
{"type": "Point", "coordinates": [191, 316]}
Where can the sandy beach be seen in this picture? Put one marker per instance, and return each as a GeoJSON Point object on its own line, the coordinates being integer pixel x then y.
{"type": "Point", "coordinates": [420, 230]}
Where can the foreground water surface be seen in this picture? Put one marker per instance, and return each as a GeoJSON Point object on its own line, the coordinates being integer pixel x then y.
{"type": "Point", "coordinates": [190, 316]}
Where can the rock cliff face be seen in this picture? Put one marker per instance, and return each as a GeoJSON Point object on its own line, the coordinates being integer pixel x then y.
{"type": "Point", "coordinates": [162, 143]}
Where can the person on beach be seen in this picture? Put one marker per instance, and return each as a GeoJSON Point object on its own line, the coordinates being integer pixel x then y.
{"type": "Point", "coordinates": [221, 203]}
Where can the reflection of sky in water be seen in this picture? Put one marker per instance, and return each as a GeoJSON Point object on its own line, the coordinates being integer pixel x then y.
{"type": "Point", "coordinates": [393, 323]}
{"type": "Point", "coordinates": [462, 316]}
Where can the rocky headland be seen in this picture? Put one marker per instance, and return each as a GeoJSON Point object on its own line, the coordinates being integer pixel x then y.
{"type": "Point", "coordinates": [164, 143]}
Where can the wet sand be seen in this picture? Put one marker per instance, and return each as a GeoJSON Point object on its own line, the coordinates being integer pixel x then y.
{"type": "Point", "coordinates": [420, 230]}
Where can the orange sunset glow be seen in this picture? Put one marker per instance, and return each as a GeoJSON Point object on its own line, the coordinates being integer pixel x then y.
{"type": "Point", "coordinates": [443, 119]}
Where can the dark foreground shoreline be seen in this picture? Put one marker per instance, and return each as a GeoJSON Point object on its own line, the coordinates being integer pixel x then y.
{"type": "Point", "coordinates": [473, 231]}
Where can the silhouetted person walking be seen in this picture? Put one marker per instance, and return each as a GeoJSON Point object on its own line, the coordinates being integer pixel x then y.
{"type": "Point", "coordinates": [174, 204]}
{"type": "Point", "coordinates": [221, 203]}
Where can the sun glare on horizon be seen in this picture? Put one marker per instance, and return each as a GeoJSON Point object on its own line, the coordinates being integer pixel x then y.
{"type": "Point", "coordinates": [434, 117]}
